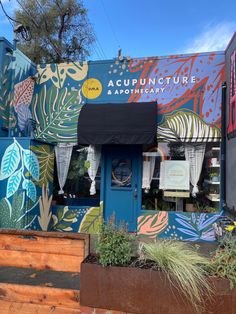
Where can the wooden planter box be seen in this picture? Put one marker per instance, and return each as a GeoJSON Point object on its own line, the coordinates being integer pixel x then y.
{"type": "Point", "coordinates": [146, 291]}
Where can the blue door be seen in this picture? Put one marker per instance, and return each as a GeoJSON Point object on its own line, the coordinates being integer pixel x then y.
{"type": "Point", "coordinates": [122, 184]}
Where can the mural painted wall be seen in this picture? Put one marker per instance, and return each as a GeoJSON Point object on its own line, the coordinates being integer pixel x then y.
{"type": "Point", "coordinates": [26, 173]}
{"type": "Point", "coordinates": [151, 224]}
{"type": "Point", "coordinates": [77, 218]}
{"type": "Point", "coordinates": [54, 95]}
{"type": "Point", "coordinates": [231, 130]}
{"type": "Point", "coordinates": [177, 225]}
{"type": "Point", "coordinates": [17, 73]}
{"type": "Point", "coordinates": [187, 84]}
{"type": "Point", "coordinates": [20, 113]}
{"type": "Point", "coordinates": [231, 123]}
{"type": "Point", "coordinates": [5, 85]}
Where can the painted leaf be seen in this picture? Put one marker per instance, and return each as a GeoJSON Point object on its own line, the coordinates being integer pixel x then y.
{"type": "Point", "coordinates": [45, 209]}
{"type": "Point", "coordinates": [23, 115]}
{"type": "Point", "coordinates": [64, 219]}
{"type": "Point", "coordinates": [208, 235]}
{"type": "Point", "coordinates": [150, 225]}
{"type": "Point", "coordinates": [30, 188]}
{"type": "Point", "coordinates": [31, 163]}
{"type": "Point", "coordinates": [13, 183]}
{"type": "Point", "coordinates": [5, 93]}
{"type": "Point", "coordinates": [10, 161]}
{"type": "Point", "coordinates": [184, 217]}
{"type": "Point", "coordinates": [61, 212]}
{"type": "Point", "coordinates": [194, 218]}
{"type": "Point", "coordinates": [18, 211]}
{"type": "Point", "coordinates": [56, 113]}
{"type": "Point", "coordinates": [92, 220]}
{"type": "Point", "coordinates": [208, 222]}
{"type": "Point", "coordinates": [186, 231]}
{"type": "Point", "coordinates": [201, 219]}
{"type": "Point", "coordinates": [5, 211]}
{"type": "Point", "coordinates": [187, 127]}
{"type": "Point", "coordinates": [30, 221]}
{"type": "Point", "coordinates": [18, 201]}
{"type": "Point", "coordinates": [23, 92]}
{"type": "Point", "coordinates": [192, 239]}
{"type": "Point", "coordinates": [77, 70]}
{"type": "Point", "coordinates": [185, 224]}
{"type": "Point", "coordinates": [57, 73]}
{"type": "Point", "coordinates": [45, 155]}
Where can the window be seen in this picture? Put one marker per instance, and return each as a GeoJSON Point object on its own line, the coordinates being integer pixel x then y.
{"type": "Point", "coordinates": [121, 172]}
{"type": "Point", "coordinates": [77, 186]}
{"type": "Point", "coordinates": [180, 198]}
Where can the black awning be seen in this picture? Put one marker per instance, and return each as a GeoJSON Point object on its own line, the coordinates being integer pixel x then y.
{"type": "Point", "coordinates": [126, 123]}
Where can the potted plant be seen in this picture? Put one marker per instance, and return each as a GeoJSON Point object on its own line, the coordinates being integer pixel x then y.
{"type": "Point", "coordinates": [211, 209]}
{"type": "Point", "coordinates": [214, 176]}
{"type": "Point", "coordinates": [189, 207]}
{"type": "Point", "coordinates": [167, 275]}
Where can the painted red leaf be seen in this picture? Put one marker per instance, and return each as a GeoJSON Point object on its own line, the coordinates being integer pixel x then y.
{"type": "Point", "coordinates": [23, 92]}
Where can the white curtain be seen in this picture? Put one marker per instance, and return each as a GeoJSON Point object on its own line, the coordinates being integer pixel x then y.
{"type": "Point", "coordinates": [63, 155]}
{"type": "Point", "coordinates": [148, 170]}
{"type": "Point", "coordinates": [162, 176]}
{"type": "Point", "coordinates": [195, 155]}
{"type": "Point", "coordinates": [93, 157]}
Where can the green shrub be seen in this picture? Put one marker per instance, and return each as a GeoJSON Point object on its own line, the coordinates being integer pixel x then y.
{"type": "Point", "coordinates": [115, 245]}
{"type": "Point", "coordinates": [183, 267]}
{"type": "Point", "coordinates": [223, 262]}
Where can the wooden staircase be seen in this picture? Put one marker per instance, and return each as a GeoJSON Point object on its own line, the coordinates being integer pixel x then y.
{"type": "Point", "coordinates": [39, 271]}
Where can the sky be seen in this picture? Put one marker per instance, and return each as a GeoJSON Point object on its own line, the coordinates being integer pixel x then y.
{"type": "Point", "coordinates": [152, 28]}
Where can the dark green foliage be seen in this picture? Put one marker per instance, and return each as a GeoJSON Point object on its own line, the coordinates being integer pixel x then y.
{"type": "Point", "coordinates": [5, 94]}
{"type": "Point", "coordinates": [78, 165]}
{"type": "Point", "coordinates": [12, 212]}
{"type": "Point", "coordinates": [59, 28]}
{"type": "Point", "coordinates": [223, 263]}
{"type": "Point", "coordinates": [64, 219]}
{"type": "Point", "coordinates": [114, 245]}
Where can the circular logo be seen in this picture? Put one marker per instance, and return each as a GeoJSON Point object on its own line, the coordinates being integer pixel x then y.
{"type": "Point", "coordinates": [92, 88]}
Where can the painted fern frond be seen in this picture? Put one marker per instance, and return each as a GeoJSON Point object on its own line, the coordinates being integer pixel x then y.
{"type": "Point", "coordinates": [187, 127]}
{"type": "Point", "coordinates": [57, 111]}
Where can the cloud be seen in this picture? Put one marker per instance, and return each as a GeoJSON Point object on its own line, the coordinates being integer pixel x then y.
{"type": "Point", "coordinates": [213, 38]}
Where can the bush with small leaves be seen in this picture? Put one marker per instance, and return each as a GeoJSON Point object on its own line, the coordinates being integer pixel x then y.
{"type": "Point", "coordinates": [223, 262]}
{"type": "Point", "coordinates": [115, 245]}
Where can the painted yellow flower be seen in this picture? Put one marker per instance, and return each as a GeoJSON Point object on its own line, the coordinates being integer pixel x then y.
{"type": "Point", "coordinates": [231, 228]}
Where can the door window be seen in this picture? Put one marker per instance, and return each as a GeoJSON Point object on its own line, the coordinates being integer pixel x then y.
{"type": "Point", "coordinates": [121, 172]}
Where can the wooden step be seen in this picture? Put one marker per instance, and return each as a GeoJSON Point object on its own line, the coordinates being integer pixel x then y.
{"type": "Point", "coordinates": [43, 250]}
{"type": "Point", "coordinates": [27, 308]}
{"type": "Point", "coordinates": [57, 262]}
{"type": "Point", "coordinates": [25, 291]}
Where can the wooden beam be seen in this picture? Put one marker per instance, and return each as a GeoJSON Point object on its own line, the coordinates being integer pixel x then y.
{"type": "Point", "coordinates": [176, 194]}
{"type": "Point", "coordinates": [40, 295]}
{"type": "Point", "coordinates": [8, 307]}
{"type": "Point", "coordinates": [46, 234]}
{"type": "Point", "coordinates": [63, 246]}
{"type": "Point", "coordinates": [57, 262]}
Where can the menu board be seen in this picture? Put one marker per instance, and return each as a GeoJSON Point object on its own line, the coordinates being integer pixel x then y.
{"type": "Point", "coordinates": [174, 175]}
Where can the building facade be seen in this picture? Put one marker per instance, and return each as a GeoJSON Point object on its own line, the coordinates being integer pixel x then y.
{"type": "Point", "coordinates": [140, 139]}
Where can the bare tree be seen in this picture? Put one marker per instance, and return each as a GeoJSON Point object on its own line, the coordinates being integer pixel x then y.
{"type": "Point", "coordinates": [59, 30]}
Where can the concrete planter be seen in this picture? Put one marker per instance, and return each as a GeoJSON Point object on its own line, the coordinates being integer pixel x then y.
{"type": "Point", "coordinates": [146, 291]}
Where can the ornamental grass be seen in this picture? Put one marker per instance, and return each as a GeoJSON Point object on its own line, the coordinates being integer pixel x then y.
{"type": "Point", "coordinates": [184, 268]}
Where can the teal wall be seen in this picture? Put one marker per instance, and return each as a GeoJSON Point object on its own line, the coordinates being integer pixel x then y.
{"type": "Point", "coordinates": [26, 174]}
{"type": "Point", "coordinates": [5, 84]}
